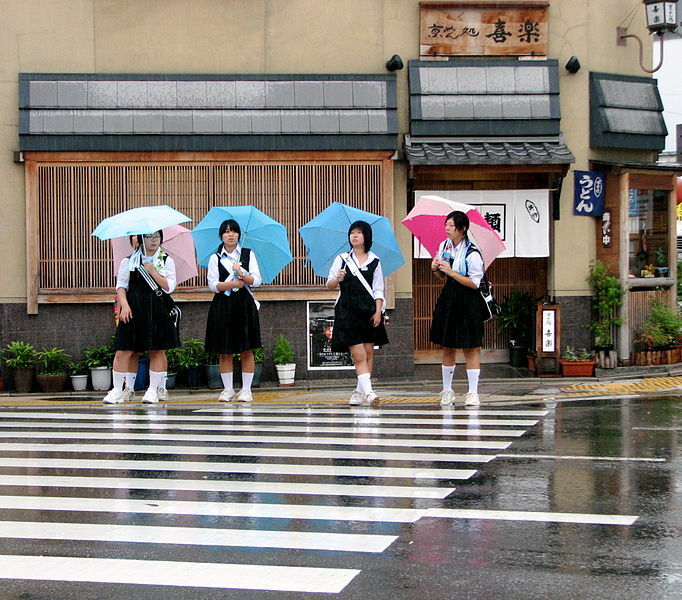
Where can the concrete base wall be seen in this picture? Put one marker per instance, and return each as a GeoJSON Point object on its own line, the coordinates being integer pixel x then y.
{"type": "Point", "coordinates": [575, 315]}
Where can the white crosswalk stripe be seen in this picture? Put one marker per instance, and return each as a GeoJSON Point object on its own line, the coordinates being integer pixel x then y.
{"type": "Point", "coordinates": [292, 481]}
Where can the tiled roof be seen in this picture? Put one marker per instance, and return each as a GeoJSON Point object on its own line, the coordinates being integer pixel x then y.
{"type": "Point", "coordinates": [487, 153]}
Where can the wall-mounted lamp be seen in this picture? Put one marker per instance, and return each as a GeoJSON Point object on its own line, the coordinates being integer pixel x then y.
{"type": "Point", "coordinates": [661, 17]}
{"type": "Point", "coordinates": [573, 65]}
{"type": "Point", "coordinates": [395, 63]}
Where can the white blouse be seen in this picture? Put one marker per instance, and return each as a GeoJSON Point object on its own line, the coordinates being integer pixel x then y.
{"type": "Point", "coordinates": [123, 277]}
{"type": "Point", "coordinates": [474, 261]}
{"type": "Point", "coordinates": [377, 280]}
{"type": "Point", "coordinates": [228, 259]}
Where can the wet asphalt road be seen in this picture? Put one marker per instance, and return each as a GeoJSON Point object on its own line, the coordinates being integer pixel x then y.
{"type": "Point", "coordinates": [582, 461]}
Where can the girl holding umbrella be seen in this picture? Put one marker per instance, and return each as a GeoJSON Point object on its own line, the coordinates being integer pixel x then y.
{"type": "Point", "coordinates": [144, 323]}
{"type": "Point", "coordinates": [233, 326]}
{"type": "Point", "coordinates": [358, 322]}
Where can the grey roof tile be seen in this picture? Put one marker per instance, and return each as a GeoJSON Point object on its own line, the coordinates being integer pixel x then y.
{"type": "Point", "coordinates": [35, 121]}
{"type": "Point", "coordinates": [43, 93]}
{"type": "Point", "coordinates": [378, 121]}
{"type": "Point", "coordinates": [369, 94]}
{"type": "Point", "coordinates": [266, 121]}
{"type": "Point", "coordinates": [531, 80]}
{"type": "Point", "coordinates": [58, 121]}
{"type": "Point", "coordinates": [540, 107]}
{"type": "Point", "coordinates": [72, 94]}
{"type": "Point", "coordinates": [629, 94]}
{"type": "Point", "coordinates": [432, 107]}
{"type": "Point", "coordinates": [487, 107]}
{"type": "Point", "coordinates": [309, 94]}
{"type": "Point", "coordinates": [279, 94]}
{"type": "Point", "coordinates": [500, 80]}
{"type": "Point", "coordinates": [207, 121]}
{"type": "Point", "coordinates": [102, 94]}
{"type": "Point", "coordinates": [118, 121]}
{"type": "Point", "coordinates": [177, 121]}
{"type": "Point", "coordinates": [471, 80]}
{"type": "Point", "coordinates": [249, 94]}
{"type": "Point", "coordinates": [236, 121]}
{"type": "Point", "coordinates": [147, 121]}
{"type": "Point", "coordinates": [295, 121]}
{"type": "Point", "coordinates": [439, 81]}
{"type": "Point", "coordinates": [220, 94]}
{"type": "Point", "coordinates": [132, 94]}
{"type": "Point", "coordinates": [191, 94]}
{"type": "Point", "coordinates": [88, 122]}
{"type": "Point", "coordinates": [324, 121]}
{"type": "Point", "coordinates": [162, 94]}
{"type": "Point", "coordinates": [623, 120]}
{"type": "Point", "coordinates": [516, 106]}
{"type": "Point", "coordinates": [338, 94]}
{"type": "Point", "coordinates": [459, 107]}
{"type": "Point", "coordinates": [353, 121]}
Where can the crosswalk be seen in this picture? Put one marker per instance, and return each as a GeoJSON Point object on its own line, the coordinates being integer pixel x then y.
{"type": "Point", "coordinates": [277, 498]}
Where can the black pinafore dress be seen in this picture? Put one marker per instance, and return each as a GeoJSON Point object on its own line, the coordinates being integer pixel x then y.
{"type": "Point", "coordinates": [457, 318]}
{"type": "Point", "coordinates": [150, 327]}
{"type": "Point", "coordinates": [233, 325]}
{"type": "Point", "coordinates": [354, 310]}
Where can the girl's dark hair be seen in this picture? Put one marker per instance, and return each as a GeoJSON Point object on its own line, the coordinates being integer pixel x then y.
{"type": "Point", "coordinates": [140, 236]}
{"type": "Point", "coordinates": [366, 230]}
{"type": "Point", "coordinates": [460, 220]}
{"type": "Point", "coordinates": [230, 224]}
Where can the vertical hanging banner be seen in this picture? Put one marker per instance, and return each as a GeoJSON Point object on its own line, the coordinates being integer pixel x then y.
{"type": "Point", "coordinates": [588, 196]}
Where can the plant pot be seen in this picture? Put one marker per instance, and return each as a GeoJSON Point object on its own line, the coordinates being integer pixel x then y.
{"type": "Point", "coordinates": [101, 378]}
{"type": "Point", "coordinates": [661, 271]}
{"type": "Point", "coordinates": [193, 377]}
{"type": "Point", "coordinates": [51, 383]}
{"type": "Point", "coordinates": [257, 374]}
{"type": "Point", "coordinates": [142, 377]}
{"type": "Point", "coordinates": [286, 374]}
{"type": "Point", "coordinates": [170, 381]}
{"type": "Point", "coordinates": [79, 382]}
{"type": "Point", "coordinates": [577, 368]}
{"type": "Point", "coordinates": [2, 384]}
{"type": "Point", "coordinates": [517, 356]}
{"type": "Point", "coordinates": [23, 380]}
{"type": "Point", "coordinates": [530, 358]}
{"type": "Point", "coordinates": [213, 376]}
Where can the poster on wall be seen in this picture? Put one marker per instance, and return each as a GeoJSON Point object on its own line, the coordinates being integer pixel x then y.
{"type": "Point", "coordinates": [320, 330]}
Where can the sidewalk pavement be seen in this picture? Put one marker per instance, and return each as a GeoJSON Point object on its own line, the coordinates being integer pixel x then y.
{"type": "Point", "coordinates": [608, 383]}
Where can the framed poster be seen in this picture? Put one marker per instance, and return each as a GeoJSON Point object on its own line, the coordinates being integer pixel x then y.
{"type": "Point", "coordinates": [320, 329]}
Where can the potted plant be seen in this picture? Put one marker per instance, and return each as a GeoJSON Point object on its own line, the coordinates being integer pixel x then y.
{"type": "Point", "coordinates": [53, 369]}
{"type": "Point", "coordinates": [173, 358]}
{"type": "Point", "coordinates": [99, 360]}
{"type": "Point", "coordinates": [213, 379]}
{"type": "Point", "coordinates": [21, 358]}
{"type": "Point", "coordinates": [517, 318]}
{"type": "Point", "coordinates": [607, 298]}
{"type": "Point", "coordinates": [258, 357]}
{"type": "Point", "coordinates": [283, 357]}
{"type": "Point", "coordinates": [191, 356]}
{"type": "Point", "coordinates": [79, 375]}
{"type": "Point", "coordinates": [661, 270]}
{"type": "Point", "coordinates": [659, 334]}
{"type": "Point", "coordinates": [577, 363]}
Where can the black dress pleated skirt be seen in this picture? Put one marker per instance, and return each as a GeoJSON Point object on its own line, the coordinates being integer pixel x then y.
{"type": "Point", "coordinates": [352, 314]}
{"type": "Point", "coordinates": [457, 318]}
{"type": "Point", "coordinates": [150, 327]}
{"type": "Point", "coordinates": [233, 325]}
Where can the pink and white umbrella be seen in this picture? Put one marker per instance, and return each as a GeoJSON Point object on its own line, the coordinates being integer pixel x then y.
{"type": "Point", "coordinates": [177, 241]}
{"type": "Point", "coordinates": [426, 221]}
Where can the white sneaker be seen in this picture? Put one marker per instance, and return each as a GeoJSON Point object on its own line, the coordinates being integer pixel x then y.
{"type": "Point", "coordinates": [162, 394]}
{"type": "Point", "coordinates": [113, 397]}
{"type": "Point", "coordinates": [447, 397]}
{"type": "Point", "coordinates": [226, 396]}
{"type": "Point", "coordinates": [355, 397]}
{"type": "Point", "coordinates": [128, 395]}
{"type": "Point", "coordinates": [471, 399]}
{"type": "Point", "coordinates": [150, 397]}
{"type": "Point", "coordinates": [245, 396]}
{"type": "Point", "coordinates": [369, 398]}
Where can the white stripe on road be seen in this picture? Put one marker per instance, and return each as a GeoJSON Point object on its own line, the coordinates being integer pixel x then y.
{"type": "Point", "coordinates": [658, 428]}
{"type": "Point", "coordinates": [358, 420]}
{"type": "Point", "coordinates": [296, 409]}
{"type": "Point", "coordinates": [185, 574]}
{"type": "Point", "coordinates": [196, 536]}
{"type": "Point", "coordinates": [256, 439]}
{"type": "Point", "coordinates": [229, 467]}
{"type": "Point", "coordinates": [569, 457]}
{"type": "Point", "coordinates": [544, 517]}
{"type": "Point", "coordinates": [242, 451]}
{"type": "Point", "coordinates": [214, 509]}
{"type": "Point", "coordinates": [248, 487]}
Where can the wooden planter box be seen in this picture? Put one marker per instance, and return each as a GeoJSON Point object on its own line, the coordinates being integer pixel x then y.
{"type": "Point", "coordinates": [657, 357]}
{"type": "Point", "coordinates": [577, 368]}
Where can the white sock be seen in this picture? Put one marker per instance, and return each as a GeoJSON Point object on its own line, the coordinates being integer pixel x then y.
{"type": "Point", "coordinates": [164, 376]}
{"type": "Point", "coordinates": [448, 373]}
{"type": "Point", "coordinates": [365, 383]}
{"type": "Point", "coordinates": [155, 378]}
{"type": "Point", "coordinates": [118, 379]}
{"type": "Point", "coordinates": [228, 381]}
{"type": "Point", "coordinates": [472, 376]}
{"type": "Point", "coordinates": [130, 380]}
{"type": "Point", "coordinates": [247, 378]}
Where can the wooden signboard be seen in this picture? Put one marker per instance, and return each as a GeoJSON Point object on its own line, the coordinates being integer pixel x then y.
{"type": "Point", "coordinates": [477, 28]}
{"type": "Point", "coordinates": [548, 339]}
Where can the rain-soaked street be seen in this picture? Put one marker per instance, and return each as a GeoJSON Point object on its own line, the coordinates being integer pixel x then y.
{"type": "Point", "coordinates": [529, 500]}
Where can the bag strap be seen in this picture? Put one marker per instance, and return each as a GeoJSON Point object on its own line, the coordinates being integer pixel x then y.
{"type": "Point", "coordinates": [353, 267]}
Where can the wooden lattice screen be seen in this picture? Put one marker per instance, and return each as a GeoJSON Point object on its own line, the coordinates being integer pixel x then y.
{"type": "Point", "coordinates": [73, 199]}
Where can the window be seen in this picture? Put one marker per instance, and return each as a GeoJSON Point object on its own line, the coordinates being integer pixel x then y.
{"type": "Point", "coordinates": [648, 232]}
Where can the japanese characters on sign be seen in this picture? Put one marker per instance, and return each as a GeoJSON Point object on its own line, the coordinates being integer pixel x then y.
{"type": "Point", "coordinates": [548, 343]}
{"type": "Point", "coordinates": [448, 29]}
{"type": "Point", "coordinates": [588, 198]}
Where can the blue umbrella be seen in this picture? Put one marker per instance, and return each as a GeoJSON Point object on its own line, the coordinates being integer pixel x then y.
{"type": "Point", "coordinates": [145, 219]}
{"type": "Point", "coordinates": [265, 236]}
{"type": "Point", "coordinates": [326, 236]}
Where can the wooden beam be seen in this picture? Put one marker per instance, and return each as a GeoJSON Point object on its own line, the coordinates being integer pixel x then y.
{"type": "Point", "coordinates": [32, 240]}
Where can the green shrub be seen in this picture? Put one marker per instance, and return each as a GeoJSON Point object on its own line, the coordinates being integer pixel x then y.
{"type": "Point", "coordinates": [54, 361]}
{"type": "Point", "coordinates": [282, 353]}
{"type": "Point", "coordinates": [19, 355]}
{"type": "Point", "coordinates": [577, 355]}
{"type": "Point", "coordinates": [607, 298]}
{"type": "Point", "coordinates": [662, 327]}
{"type": "Point", "coordinates": [99, 356]}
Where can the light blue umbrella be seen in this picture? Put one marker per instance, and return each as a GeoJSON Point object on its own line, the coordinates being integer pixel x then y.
{"type": "Point", "coordinates": [326, 236]}
{"type": "Point", "coordinates": [145, 219]}
{"type": "Point", "coordinates": [265, 236]}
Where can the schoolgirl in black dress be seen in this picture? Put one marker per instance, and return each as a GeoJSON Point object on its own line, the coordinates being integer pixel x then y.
{"type": "Point", "coordinates": [457, 318]}
{"type": "Point", "coordinates": [358, 321]}
{"type": "Point", "coordinates": [233, 326]}
{"type": "Point", "coordinates": [144, 323]}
